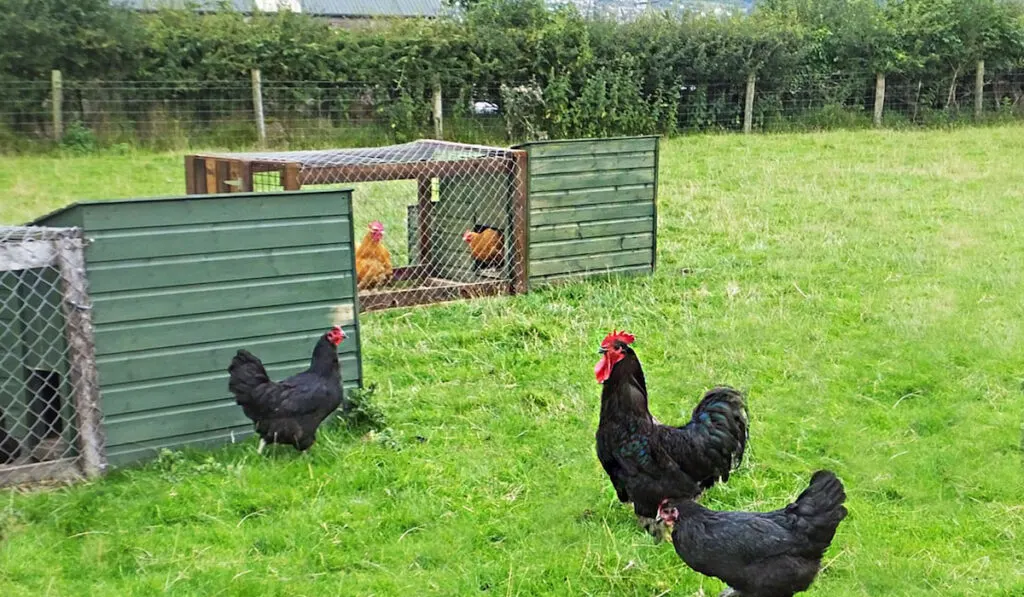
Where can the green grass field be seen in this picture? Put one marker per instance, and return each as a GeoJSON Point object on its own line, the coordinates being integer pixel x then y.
{"type": "Point", "coordinates": [865, 289]}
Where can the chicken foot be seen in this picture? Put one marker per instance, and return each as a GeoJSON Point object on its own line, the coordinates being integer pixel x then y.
{"type": "Point", "coordinates": [730, 592]}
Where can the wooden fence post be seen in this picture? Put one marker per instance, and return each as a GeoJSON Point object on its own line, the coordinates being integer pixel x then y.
{"type": "Point", "coordinates": [979, 90]}
{"type": "Point", "coordinates": [748, 106]}
{"type": "Point", "coordinates": [57, 101]}
{"type": "Point", "coordinates": [438, 110]}
{"type": "Point", "coordinates": [879, 98]}
{"type": "Point", "coordinates": [78, 327]}
{"type": "Point", "coordinates": [257, 105]}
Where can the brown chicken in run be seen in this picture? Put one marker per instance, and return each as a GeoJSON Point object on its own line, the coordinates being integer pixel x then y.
{"type": "Point", "coordinates": [486, 246]}
{"type": "Point", "coordinates": [373, 261]}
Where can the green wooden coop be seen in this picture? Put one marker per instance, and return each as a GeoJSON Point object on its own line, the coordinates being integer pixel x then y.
{"type": "Point", "coordinates": [179, 284]}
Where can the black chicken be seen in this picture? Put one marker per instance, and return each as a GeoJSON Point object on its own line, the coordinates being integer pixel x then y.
{"type": "Point", "coordinates": [647, 461]}
{"type": "Point", "coordinates": [10, 447]}
{"type": "Point", "coordinates": [289, 411]}
{"type": "Point", "coordinates": [771, 554]}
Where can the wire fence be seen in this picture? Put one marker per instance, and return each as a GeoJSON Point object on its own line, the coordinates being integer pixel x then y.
{"type": "Point", "coordinates": [296, 114]}
{"type": "Point", "coordinates": [49, 413]}
{"type": "Point", "coordinates": [437, 220]}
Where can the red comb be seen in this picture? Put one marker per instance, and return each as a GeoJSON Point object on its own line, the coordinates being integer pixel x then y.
{"type": "Point", "coordinates": [623, 336]}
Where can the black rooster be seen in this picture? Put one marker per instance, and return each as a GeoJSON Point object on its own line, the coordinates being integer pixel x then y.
{"type": "Point", "coordinates": [647, 461]}
{"type": "Point", "coordinates": [771, 554]}
{"type": "Point", "coordinates": [289, 411]}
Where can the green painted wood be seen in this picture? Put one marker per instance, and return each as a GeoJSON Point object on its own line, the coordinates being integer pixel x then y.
{"type": "Point", "coordinates": [152, 425]}
{"type": "Point", "coordinates": [584, 147]}
{"type": "Point", "coordinates": [630, 270]}
{"type": "Point", "coordinates": [544, 234]}
{"type": "Point", "coordinates": [126, 215]}
{"type": "Point", "coordinates": [591, 163]}
{"type": "Point", "coordinates": [592, 180]}
{"type": "Point", "coordinates": [593, 245]}
{"type": "Point", "coordinates": [248, 265]}
{"type": "Point", "coordinates": [202, 388]}
{"type": "Point", "coordinates": [215, 298]}
{"type": "Point", "coordinates": [179, 285]}
{"type": "Point", "coordinates": [594, 263]}
{"type": "Point", "coordinates": [191, 360]}
{"type": "Point", "coordinates": [205, 239]}
{"type": "Point", "coordinates": [130, 453]}
{"type": "Point", "coordinates": [583, 197]}
{"type": "Point", "coordinates": [590, 214]}
{"type": "Point", "coordinates": [134, 337]}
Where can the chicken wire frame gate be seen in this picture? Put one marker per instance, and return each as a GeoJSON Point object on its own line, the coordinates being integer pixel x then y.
{"type": "Point", "coordinates": [47, 341]}
{"type": "Point", "coordinates": [452, 164]}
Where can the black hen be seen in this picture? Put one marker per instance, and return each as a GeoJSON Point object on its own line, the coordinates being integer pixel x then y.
{"type": "Point", "coordinates": [291, 410]}
{"type": "Point", "coordinates": [647, 461]}
{"type": "Point", "coordinates": [771, 554]}
{"type": "Point", "coordinates": [10, 447]}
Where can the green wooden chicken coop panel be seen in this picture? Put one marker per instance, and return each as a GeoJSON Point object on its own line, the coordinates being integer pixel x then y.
{"type": "Point", "coordinates": [592, 207]}
{"type": "Point", "coordinates": [180, 284]}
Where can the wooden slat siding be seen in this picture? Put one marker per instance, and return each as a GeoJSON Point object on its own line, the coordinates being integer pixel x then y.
{"type": "Point", "coordinates": [629, 270]}
{"type": "Point", "coordinates": [593, 263]}
{"type": "Point", "coordinates": [591, 163]}
{"type": "Point", "coordinates": [544, 234]}
{"type": "Point", "coordinates": [588, 180]}
{"type": "Point", "coordinates": [129, 453]}
{"type": "Point", "coordinates": [179, 285]}
{"type": "Point", "coordinates": [189, 270]}
{"type": "Point", "coordinates": [191, 330]}
{"type": "Point", "coordinates": [592, 207]}
{"type": "Point", "coordinates": [177, 362]}
{"type": "Point", "coordinates": [585, 197]}
{"type": "Point", "coordinates": [154, 213]}
{"type": "Point", "coordinates": [216, 298]}
{"type": "Point", "coordinates": [209, 239]}
{"type": "Point", "coordinates": [576, 215]}
{"type": "Point", "coordinates": [210, 386]}
{"type": "Point", "coordinates": [587, 147]}
{"type": "Point", "coordinates": [607, 244]}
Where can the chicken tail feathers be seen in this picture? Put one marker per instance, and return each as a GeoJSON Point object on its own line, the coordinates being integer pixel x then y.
{"type": "Point", "coordinates": [721, 416]}
{"type": "Point", "coordinates": [246, 373]}
{"type": "Point", "coordinates": [820, 506]}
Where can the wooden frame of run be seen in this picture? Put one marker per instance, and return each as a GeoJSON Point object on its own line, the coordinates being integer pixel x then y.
{"type": "Point", "coordinates": [215, 174]}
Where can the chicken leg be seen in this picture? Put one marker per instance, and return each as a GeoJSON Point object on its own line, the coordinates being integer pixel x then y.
{"type": "Point", "coordinates": [263, 444]}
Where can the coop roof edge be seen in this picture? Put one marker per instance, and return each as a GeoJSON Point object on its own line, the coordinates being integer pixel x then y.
{"type": "Point", "coordinates": [40, 221]}
{"type": "Point", "coordinates": [584, 140]}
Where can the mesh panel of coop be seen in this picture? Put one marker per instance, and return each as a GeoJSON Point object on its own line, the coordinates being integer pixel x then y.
{"type": "Point", "coordinates": [439, 221]}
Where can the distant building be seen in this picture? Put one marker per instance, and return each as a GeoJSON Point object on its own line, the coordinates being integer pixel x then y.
{"type": "Point", "coordinates": [338, 12]}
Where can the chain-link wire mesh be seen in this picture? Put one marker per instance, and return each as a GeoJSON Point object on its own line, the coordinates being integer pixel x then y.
{"type": "Point", "coordinates": [434, 220]}
{"type": "Point", "coordinates": [42, 368]}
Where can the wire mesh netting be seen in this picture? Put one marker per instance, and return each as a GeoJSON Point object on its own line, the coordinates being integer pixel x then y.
{"type": "Point", "coordinates": [434, 221]}
{"type": "Point", "coordinates": [38, 422]}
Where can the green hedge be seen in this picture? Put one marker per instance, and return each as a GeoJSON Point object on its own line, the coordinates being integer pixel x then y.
{"type": "Point", "coordinates": [557, 72]}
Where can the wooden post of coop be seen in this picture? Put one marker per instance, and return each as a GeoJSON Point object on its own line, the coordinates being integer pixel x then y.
{"type": "Point", "coordinates": [979, 90]}
{"type": "Point", "coordinates": [290, 177]}
{"type": "Point", "coordinates": [57, 99]}
{"type": "Point", "coordinates": [85, 385]}
{"type": "Point", "coordinates": [520, 223]}
{"type": "Point", "coordinates": [748, 106]}
{"type": "Point", "coordinates": [257, 105]}
{"type": "Point", "coordinates": [438, 110]}
{"type": "Point", "coordinates": [879, 98]}
{"type": "Point", "coordinates": [425, 191]}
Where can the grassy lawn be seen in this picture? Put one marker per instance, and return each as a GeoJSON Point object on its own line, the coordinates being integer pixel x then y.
{"type": "Point", "coordinates": [864, 288]}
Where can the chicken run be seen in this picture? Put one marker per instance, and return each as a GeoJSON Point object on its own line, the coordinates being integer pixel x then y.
{"type": "Point", "coordinates": [437, 220]}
